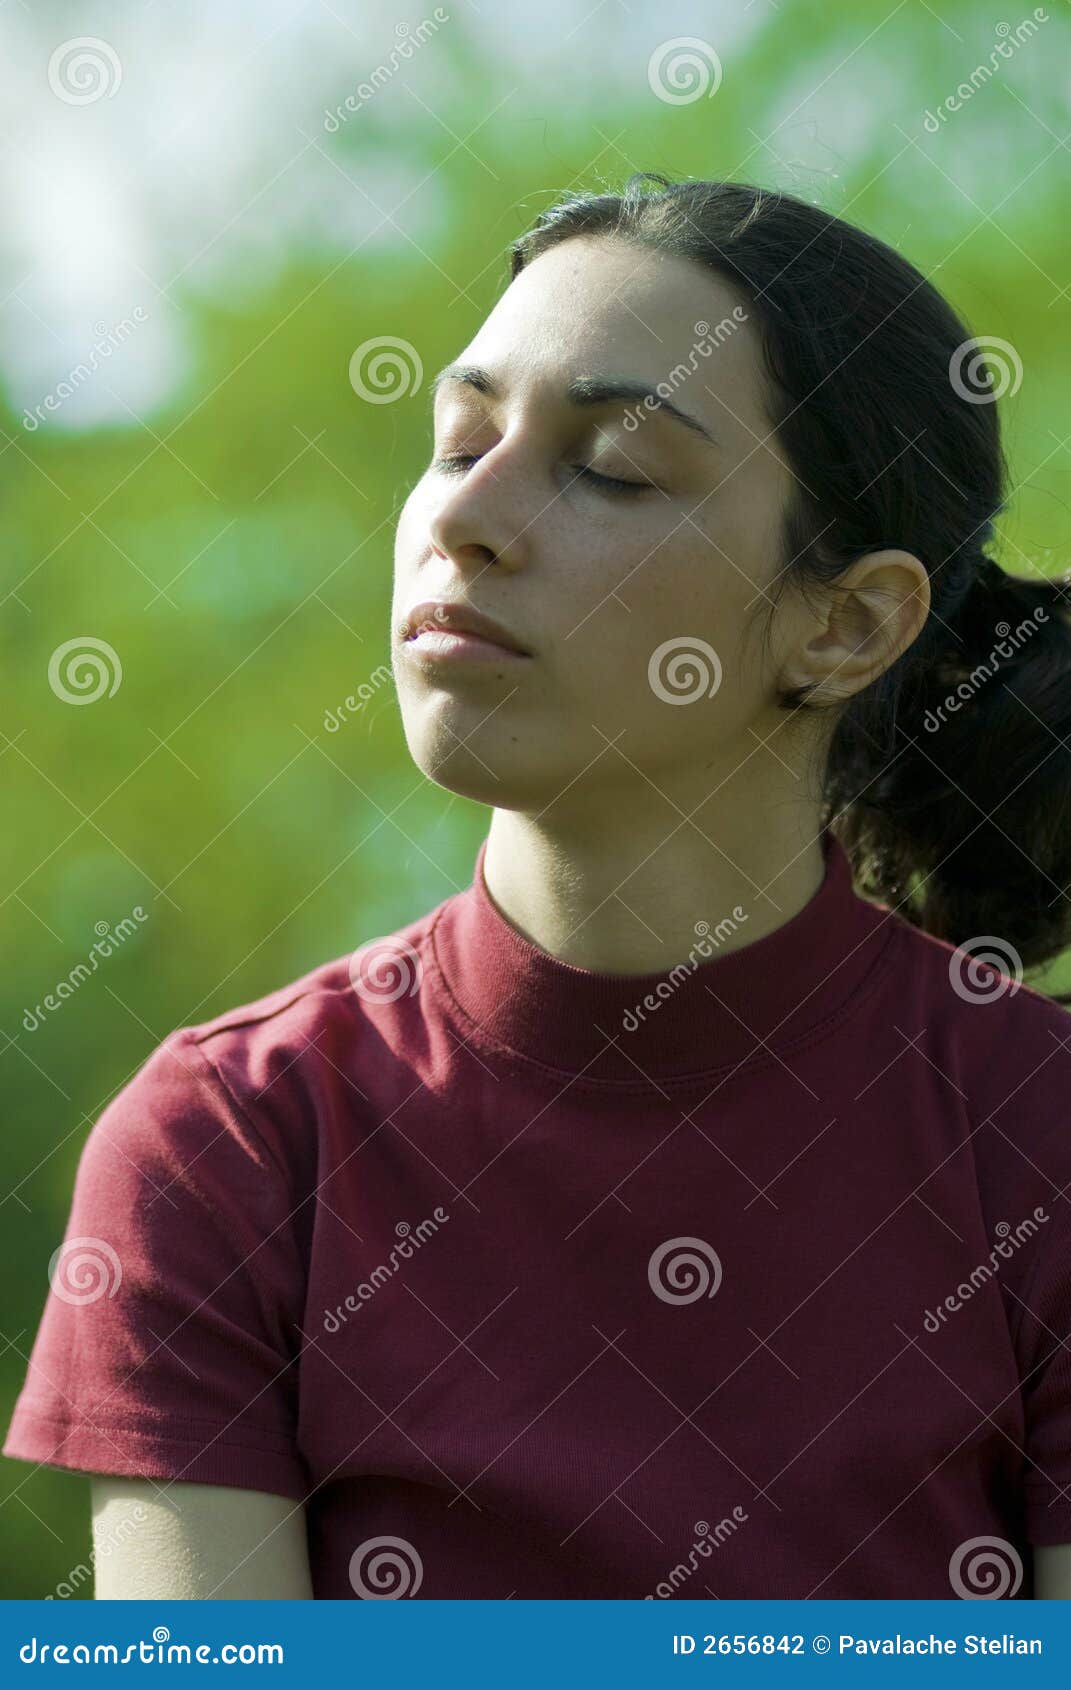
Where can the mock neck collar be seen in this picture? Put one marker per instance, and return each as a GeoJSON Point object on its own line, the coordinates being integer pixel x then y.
{"type": "Point", "coordinates": [713, 1011]}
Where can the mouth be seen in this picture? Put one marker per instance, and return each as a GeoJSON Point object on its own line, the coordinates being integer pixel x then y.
{"type": "Point", "coordinates": [453, 632]}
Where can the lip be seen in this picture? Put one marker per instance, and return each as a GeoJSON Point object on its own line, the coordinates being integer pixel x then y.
{"type": "Point", "coordinates": [448, 628]}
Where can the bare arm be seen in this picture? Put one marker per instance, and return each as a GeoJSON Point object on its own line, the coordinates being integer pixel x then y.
{"type": "Point", "coordinates": [170, 1541]}
{"type": "Point", "coordinates": [1052, 1572]}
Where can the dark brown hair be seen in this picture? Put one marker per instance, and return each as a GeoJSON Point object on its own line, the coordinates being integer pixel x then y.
{"type": "Point", "coordinates": [948, 778]}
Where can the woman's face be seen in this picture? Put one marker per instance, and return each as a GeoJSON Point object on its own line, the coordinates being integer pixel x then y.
{"type": "Point", "coordinates": [608, 590]}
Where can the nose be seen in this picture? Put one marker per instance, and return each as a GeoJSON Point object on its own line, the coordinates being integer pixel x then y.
{"type": "Point", "coordinates": [452, 538]}
{"type": "Point", "coordinates": [473, 525]}
{"type": "Point", "coordinates": [469, 558]}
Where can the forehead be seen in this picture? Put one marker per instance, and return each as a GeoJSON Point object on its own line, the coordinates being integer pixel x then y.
{"type": "Point", "coordinates": [592, 307]}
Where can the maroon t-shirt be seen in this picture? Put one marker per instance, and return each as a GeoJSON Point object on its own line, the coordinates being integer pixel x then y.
{"type": "Point", "coordinates": [752, 1279]}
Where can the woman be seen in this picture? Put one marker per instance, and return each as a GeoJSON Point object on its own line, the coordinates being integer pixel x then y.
{"type": "Point", "coordinates": [662, 1214]}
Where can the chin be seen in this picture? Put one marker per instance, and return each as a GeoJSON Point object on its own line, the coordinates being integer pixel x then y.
{"type": "Point", "coordinates": [470, 774]}
{"type": "Point", "coordinates": [486, 768]}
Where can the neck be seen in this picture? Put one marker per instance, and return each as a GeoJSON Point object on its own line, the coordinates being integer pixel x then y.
{"type": "Point", "coordinates": [623, 894]}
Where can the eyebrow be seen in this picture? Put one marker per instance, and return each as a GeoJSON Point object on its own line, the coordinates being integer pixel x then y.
{"type": "Point", "coordinates": [583, 390]}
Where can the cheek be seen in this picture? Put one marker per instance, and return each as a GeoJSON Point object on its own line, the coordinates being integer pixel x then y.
{"type": "Point", "coordinates": [688, 637]}
{"type": "Point", "coordinates": [687, 587]}
{"type": "Point", "coordinates": [410, 537]}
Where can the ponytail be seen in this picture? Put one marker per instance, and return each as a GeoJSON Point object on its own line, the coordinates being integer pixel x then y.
{"type": "Point", "coordinates": [965, 825]}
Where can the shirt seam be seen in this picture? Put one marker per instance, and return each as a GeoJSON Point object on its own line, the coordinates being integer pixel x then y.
{"type": "Point", "coordinates": [233, 1106]}
{"type": "Point", "coordinates": [34, 1418]}
{"type": "Point", "coordinates": [848, 1007]}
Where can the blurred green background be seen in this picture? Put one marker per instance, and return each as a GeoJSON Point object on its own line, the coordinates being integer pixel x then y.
{"type": "Point", "coordinates": [217, 504]}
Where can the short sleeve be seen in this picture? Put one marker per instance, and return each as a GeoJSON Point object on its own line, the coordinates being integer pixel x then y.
{"type": "Point", "coordinates": [169, 1341]}
{"type": "Point", "coordinates": [1043, 1342]}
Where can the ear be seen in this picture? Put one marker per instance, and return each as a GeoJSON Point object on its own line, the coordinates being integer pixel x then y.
{"type": "Point", "coordinates": [867, 617]}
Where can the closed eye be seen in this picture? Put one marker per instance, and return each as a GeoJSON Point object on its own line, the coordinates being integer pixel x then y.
{"type": "Point", "coordinates": [611, 483]}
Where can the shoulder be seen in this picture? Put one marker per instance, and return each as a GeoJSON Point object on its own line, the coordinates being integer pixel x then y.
{"type": "Point", "coordinates": [982, 1029]}
{"type": "Point", "coordinates": [975, 999]}
{"type": "Point", "coordinates": [244, 1088]}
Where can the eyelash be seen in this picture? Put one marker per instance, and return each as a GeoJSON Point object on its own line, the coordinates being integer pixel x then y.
{"type": "Point", "coordinates": [610, 482]}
